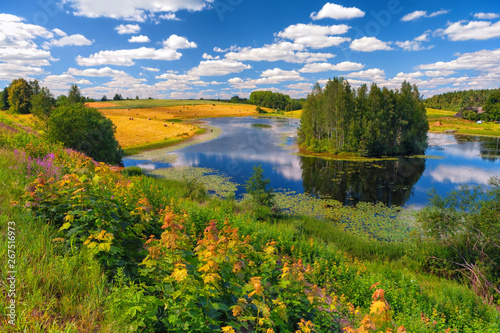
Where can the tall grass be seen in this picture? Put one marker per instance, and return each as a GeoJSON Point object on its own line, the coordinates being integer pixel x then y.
{"type": "Point", "coordinates": [55, 292]}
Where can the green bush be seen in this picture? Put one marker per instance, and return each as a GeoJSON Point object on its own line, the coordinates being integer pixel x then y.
{"type": "Point", "coordinates": [85, 130]}
{"type": "Point", "coordinates": [132, 171]}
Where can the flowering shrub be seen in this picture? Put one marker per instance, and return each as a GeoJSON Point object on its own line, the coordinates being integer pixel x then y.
{"type": "Point", "coordinates": [30, 166]}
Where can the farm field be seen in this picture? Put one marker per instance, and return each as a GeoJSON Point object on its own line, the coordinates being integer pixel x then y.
{"type": "Point", "coordinates": [441, 120]}
{"type": "Point", "coordinates": [149, 124]}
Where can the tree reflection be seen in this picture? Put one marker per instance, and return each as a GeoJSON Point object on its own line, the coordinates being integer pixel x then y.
{"type": "Point", "coordinates": [389, 182]}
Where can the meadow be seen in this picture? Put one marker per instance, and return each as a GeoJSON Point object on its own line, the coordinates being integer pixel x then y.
{"type": "Point", "coordinates": [460, 126]}
{"type": "Point", "coordinates": [104, 251]}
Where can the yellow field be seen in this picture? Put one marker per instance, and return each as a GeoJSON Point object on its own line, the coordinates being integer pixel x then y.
{"type": "Point", "coordinates": [155, 124]}
{"type": "Point", "coordinates": [294, 114]}
{"type": "Point", "coordinates": [140, 131]}
{"type": "Point", "coordinates": [182, 112]}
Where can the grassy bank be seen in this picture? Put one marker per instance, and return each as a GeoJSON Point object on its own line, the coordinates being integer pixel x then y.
{"type": "Point", "coordinates": [101, 251]}
{"type": "Point", "coordinates": [441, 121]}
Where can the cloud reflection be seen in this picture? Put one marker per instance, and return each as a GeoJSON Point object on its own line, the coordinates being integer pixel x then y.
{"type": "Point", "coordinates": [463, 174]}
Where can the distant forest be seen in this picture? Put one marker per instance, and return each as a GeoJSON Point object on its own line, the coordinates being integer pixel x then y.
{"type": "Point", "coordinates": [460, 100]}
{"type": "Point", "coordinates": [369, 121]}
{"type": "Point", "coordinates": [272, 100]}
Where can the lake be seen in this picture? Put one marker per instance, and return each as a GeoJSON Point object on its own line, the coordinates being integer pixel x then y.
{"type": "Point", "coordinates": [450, 161]}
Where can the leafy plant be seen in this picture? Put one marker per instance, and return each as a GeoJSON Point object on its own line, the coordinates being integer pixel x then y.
{"type": "Point", "coordinates": [256, 187]}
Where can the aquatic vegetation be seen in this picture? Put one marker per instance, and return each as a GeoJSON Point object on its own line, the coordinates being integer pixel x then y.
{"type": "Point", "coordinates": [215, 183]}
{"type": "Point", "coordinates": [365, 220]}
{"type": "Point", "coordinates": [257, 125]}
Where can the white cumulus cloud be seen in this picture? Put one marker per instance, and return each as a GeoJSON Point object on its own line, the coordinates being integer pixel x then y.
{"type": "Point", "coordinates": [486, 16]}
{"type": "Point", "coordinates": [127, 57]}
{"type": "Point", "coordinates": [73, 40]}
{"type": "Point", "coordinates": [315, 36]}
{"type": "Point", "coordinates": [282, 51]}
{"type": "Point", "coordinates": [422, 13]}
{"type": "Point", "coordinates": [369, 44]}
{"type": "Point", "coordinates": [133, 10]}
{"type": "Point", "coordinates": [139, 39]}
{"type": "Point", "coordinates": [177, 42]}
{"type": "Point", "coordinates": [218, 67]}
{"type": "Point", "coordinates": [124, 29]}
{"type": "Point", "coordinates": [344, 66]}
{"type": "Point", "coordinates": [479, 30]}
{"type": "Point", "coordinates": [337, 12]}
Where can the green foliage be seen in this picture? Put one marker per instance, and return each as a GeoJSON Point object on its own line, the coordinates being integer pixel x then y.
{"type": "Point", "coordinates": [75, 95]}
{"type": "Point", "coordinates": [237, 99]}
{"type": "Point", "coordinates": [381, 122]}
{"type": "Point", "coordinates": [19, 96]}
{"type": "Point", "coordinates": [4, 99]}
{"type": "Point", "coordinates": [86, 130]}
{"type": "Point", "coordinates": [206, 268]}
{"type": "Point", "coordinates": [492, 105]}
{"type": "Point", "coordinates": [56, 291]}
{"type": "Point", "coordinates": [273, 100]}
{"type": "Point", "coordinates": [42, 104]}
{"type": "Point", "coordinates": [256, 187]}
{"type": "Point", "coordinates": [260, 110]}
{"type": "Point", "coordinates": [200, 180]}
{"type": "Point", "coordinates": [117, 97]}
{"type": "Point", "coordinates": [97, 209]}
{"type": "Point", "coordinates": [467, 224]}
{"type": "Point", "coordinates": [132, 171]}
{"type": "Point", "coordinates": [459, 100]}
{"type": "Point", "coordinates": [131, 307]}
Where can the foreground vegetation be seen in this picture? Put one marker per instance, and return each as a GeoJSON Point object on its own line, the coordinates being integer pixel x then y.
{"type": "Point", "coordinates": [102, 251]}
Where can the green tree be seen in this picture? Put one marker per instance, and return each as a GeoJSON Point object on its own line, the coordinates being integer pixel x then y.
{"type": "Point", "coordinates": [42, 105]}
{"type": "Point", "coordinates": [34, 86]}
{"type": "Point", "coordinates": [75, 95]}
{"type": "Point", "coordinates": [466, 223]}
{"type": "Point", "coordinates": [117, 97]}
{"type": "Point", "coordinates": [256, 186]}
{"type": "Point", "coordinates": [86, 130]}
{"type": "Point", "coordinates": [104, 99]}
{"type": "Point", "coordinates": [4, 99]}
{"type": "Point", "coordinates": [19, 96]}
{"type": "Point", "coordinates": [381, 122]}
{"type": "Point", "coordinates": [492, 105]}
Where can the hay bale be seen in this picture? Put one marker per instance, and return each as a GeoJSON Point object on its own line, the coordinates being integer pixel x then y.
{"type": "Point", "coordinates": [437, 124]}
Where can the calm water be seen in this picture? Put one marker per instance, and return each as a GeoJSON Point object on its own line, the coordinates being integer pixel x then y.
{"type": "Point", "coordinates": [405, 181]}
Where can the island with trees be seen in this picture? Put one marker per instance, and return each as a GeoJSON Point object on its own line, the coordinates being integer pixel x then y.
{"type": "Point", "coordinates": [368, 122]}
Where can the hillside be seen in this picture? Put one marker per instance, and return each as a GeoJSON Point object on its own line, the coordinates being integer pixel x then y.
{"type": "Point", "coordinates": [104, 251]}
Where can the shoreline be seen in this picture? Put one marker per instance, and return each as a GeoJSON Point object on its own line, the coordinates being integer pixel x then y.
{"type": "Point", "coordinates": [207, 133]}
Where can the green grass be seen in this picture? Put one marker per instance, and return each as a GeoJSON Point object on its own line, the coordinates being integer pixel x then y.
{"type": "Point", "coordinates": [55, 292]}
{"type": "Point", "coordinates": [151, 103]}
{"type": "Point", "coordinates": [65, 291]}
{"type": "Point", "coordinates": [151, 146]}
{"type": "Point", "coordinates": [134, 150]}
{"type": "Point", "coordinates": [460, 126]}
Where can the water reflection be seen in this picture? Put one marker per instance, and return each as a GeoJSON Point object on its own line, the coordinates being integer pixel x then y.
{"type": "Point", "coordinates": [390, 182]}
{"type": "Point", "coordinates": [405, 181]}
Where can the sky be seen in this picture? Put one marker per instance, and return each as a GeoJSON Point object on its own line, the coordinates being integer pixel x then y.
{"type": "Point", "coordinates": [192, 49]}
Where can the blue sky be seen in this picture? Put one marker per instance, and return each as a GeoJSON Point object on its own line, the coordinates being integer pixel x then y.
{"type": "Point", "coordinates": [221, 48]}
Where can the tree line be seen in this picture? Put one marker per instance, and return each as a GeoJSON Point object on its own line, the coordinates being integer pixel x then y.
{"type": "Point", "coordinates": [371, 122]}
{"type": "Point", "coordinates": [66, 119]}
{"type": "Point", "coordinates": [277, 101]}
{"type": "Point", "coordinates": [460, 100]}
